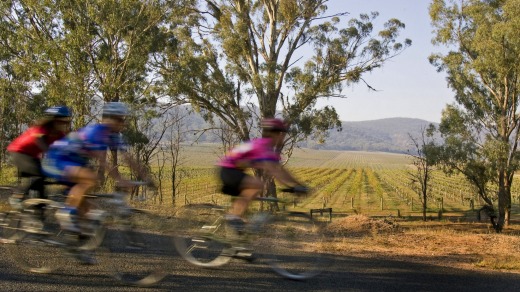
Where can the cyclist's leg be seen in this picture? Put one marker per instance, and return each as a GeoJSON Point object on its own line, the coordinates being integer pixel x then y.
{"type": "Point", "coordinates": [30, 167]}
{"type": "Point", "coordinates": [249, 188]}
{"type": "Point", "coordinates": [85, 179]}
{"type": "Point", "coordinates": [240, 185]}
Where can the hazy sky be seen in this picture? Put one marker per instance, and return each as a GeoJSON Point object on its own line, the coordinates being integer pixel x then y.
{"type": "Point", "coordinates": [408, 85]}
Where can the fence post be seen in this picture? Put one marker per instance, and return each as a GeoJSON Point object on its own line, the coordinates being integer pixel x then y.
{"type": "Point", "coordinates": [381, 203]}
{"type": "Point", "coordinates": [352, 203]}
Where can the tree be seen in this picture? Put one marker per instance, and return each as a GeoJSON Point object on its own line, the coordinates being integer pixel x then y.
{"type": "Point", "coordinates": [236, 54]}
{"type": "Point", "coordinates": [464, 152]}
{"type": "Point", "coordinates": [482, 68]}
{"type": "Point", "coordinates": [424, 157]}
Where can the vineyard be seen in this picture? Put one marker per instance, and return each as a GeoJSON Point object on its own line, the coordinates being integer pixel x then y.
{"type": "Point", "coordinates": [376, 184]}
{"type": "Point", "coordinates": [349, 182]}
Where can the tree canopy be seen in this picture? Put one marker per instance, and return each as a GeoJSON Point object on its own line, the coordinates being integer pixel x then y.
{"type": "Point", "coordinates": [238, 60]}
{"type": "Point", "coordinates": [483, 70]}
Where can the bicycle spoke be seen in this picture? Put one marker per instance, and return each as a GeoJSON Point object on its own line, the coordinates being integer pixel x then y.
{"type": "Point", "coordinates": [201, 235]}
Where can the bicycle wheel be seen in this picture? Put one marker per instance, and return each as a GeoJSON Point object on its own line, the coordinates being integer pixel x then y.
{"type": "Point", "coordinates": [9, 223]}
{"type": "Point", "coordinates": [200, 236]}
{"type": "Point", "coordinates": [38, 242]}
{"type": "Point", "coordinates": [290, 242]}
{"type": "Point", "coordinates": [139, 252]}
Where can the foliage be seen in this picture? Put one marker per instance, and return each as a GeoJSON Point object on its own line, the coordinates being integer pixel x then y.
{"type": "Point", "coordinates": [482, 67]}
{"type": "Point", "coordinates": [243, 54]}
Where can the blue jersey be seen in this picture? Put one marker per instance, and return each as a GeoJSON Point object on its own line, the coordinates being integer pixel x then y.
{"type": "Point", "coordinates": [78, 146]}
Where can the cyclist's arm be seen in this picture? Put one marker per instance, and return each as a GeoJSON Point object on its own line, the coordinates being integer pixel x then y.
{"type": "Point", "coordinates": [101, 157]}
{"type": "Point", "coordinates": [136, 166]}
{"type": "Point", "coordinates": [275, 169]}
{"type": "Point", "coordinates": [40, 142]}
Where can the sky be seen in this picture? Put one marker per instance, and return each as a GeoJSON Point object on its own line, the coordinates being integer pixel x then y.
{"type": "Point", "coordinates": [408, 85]}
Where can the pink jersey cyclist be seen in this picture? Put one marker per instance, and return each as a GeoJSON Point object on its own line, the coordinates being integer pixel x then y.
{"type": "Point", "coordinates": [247, 154]}
{"type": "Point", "coordinates": [258, 154]}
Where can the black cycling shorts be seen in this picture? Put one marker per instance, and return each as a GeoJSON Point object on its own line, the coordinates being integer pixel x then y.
{"type": "Point", "coordinates": [231, 179]}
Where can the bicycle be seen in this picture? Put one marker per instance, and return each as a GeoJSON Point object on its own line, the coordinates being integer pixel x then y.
{"type": "Point", "coordinates": [288, 240]}
{"type": "Point", "coordinates": [113, 229]}
{"type": "Point", "coordinates": [11, 199]}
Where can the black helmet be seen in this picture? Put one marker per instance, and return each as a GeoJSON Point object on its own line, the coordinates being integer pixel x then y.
{"type": "Point", "coordinates": [58, 112]}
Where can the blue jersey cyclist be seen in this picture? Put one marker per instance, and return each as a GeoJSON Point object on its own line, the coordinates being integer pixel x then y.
{"type": "Point", "coordinates": [262, 153]}
{"type": "Point", "coordinates": [68, 160]}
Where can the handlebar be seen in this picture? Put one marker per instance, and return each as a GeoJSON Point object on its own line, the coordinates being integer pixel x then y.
{"type": "Point", "coordinates": [295, 190]}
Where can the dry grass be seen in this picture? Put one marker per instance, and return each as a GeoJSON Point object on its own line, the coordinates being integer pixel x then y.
{"type": "Point", "coordinates": [464, 245]}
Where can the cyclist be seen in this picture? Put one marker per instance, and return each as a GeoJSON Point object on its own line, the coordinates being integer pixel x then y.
{"type": "Point", "coordinates": [68, 160]}
{"type": "Point", "coordinates": [27, 150]}
{"type": "Point", "coordinates": [262, 153]}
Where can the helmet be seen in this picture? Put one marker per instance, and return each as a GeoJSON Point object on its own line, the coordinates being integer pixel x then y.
{"type": "Point", "coordinates": [274, 125]}
{"type": "Point", "coordinates": [58, 112]}
{"type": "Point", "coordinates": [115, 109]}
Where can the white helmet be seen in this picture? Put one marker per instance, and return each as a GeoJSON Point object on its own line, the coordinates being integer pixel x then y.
{"type": "Point", "coordinates": [115, 109]}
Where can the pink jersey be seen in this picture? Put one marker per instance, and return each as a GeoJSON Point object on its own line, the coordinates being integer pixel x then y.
{"type": "Point", "coordinates": [246, 154]}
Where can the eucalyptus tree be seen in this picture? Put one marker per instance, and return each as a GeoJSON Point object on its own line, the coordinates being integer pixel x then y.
{"type": "Point", "coordinates": [233, 56]}
{"type": "Point", "coordinates": [483, 70]}
{"type": "Point", "coordinates": [18, 106]}
{"type": "Point", "coordinates": [464, 151]}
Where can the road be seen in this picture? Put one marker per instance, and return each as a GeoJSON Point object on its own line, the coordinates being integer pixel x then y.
{"type": "Point", "coordinates": [345, 273]}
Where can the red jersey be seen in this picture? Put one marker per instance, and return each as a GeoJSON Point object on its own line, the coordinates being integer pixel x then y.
{"type": "Point", "coordinates": [26, 143]}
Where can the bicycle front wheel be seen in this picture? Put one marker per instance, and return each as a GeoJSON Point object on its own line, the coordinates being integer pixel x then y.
{"type": "Point", "coordinates": [139, 250]}
{"type": "Point", "coordinates": [290, 242]}
{"type": "Point", "coordinates": [201, 235]}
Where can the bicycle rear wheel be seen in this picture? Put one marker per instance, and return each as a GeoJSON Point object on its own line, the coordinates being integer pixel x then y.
{"type": "Point", "coordinates": [290, 242]}
{"type": "Point", "coordinates": [139, 252]}
{"type": "Point", "coordinates": [9, 223]}
{"type": "Point", "coordinates": [201, 235]}
{"type": "Point", "coordinates": [38, 244]}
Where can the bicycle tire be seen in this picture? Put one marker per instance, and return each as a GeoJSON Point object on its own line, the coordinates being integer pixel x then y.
{"type": "Point", "coordinates": [139, 253]}
{"type": "Point", "coordinates": [290, 243]}
{"type": "Point", "coordinates": [200, 236]}
{"type": "Point", "coordinates": [40, 248]}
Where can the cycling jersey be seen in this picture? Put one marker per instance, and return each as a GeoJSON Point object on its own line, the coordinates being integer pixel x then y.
{"type": "Point", "coordinates": [26, 143]}
{"type": "Point", "coordinates": [77, 147]}
{"type": "Point", "coordinates": [249, 153]}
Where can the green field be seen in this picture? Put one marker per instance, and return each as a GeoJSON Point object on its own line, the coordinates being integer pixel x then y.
{"type": "Point", "coordinates": [372, 183]}
{"type": "Point", "coordinates": [349, 182]}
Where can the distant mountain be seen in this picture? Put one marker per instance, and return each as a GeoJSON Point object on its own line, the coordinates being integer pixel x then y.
{"type": "Point", "coordinates": [385, 135]}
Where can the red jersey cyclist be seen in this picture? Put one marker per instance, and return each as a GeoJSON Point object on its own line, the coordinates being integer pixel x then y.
{"type": "Point", "coordinates": [27, 150]}
{"type": "Point", "coordinates": [262, 153]}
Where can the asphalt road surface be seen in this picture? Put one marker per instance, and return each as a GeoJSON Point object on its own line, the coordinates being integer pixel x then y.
{"type": "Point", "coordinates": [344, 273]}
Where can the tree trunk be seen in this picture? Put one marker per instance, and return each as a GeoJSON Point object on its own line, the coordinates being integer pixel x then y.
{"type": "Point", "coordinates": [424, 205]}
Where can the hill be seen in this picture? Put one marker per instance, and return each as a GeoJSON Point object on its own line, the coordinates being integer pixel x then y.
{"type": "Point", "coordinates": [386, 135]}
